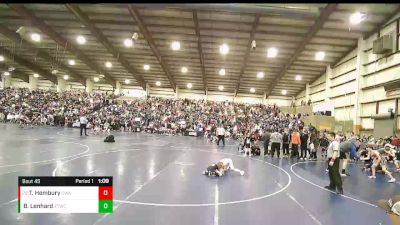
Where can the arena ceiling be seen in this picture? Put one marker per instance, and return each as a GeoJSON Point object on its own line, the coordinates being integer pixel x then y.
{"type": "Point", "coordinates": [297, 31]}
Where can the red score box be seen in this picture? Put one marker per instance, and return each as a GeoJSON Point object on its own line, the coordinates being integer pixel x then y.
{"type": "Point", "coordinates": [105, 193]}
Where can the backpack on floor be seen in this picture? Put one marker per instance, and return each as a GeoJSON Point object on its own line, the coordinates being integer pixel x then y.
{"type": "Point", "coordinates": [109, 138]}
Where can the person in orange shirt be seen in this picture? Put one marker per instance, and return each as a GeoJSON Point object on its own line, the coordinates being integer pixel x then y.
{"type": "Point", "coordinates": [295, 143]}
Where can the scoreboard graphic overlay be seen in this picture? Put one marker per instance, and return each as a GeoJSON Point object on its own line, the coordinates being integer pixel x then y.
{"type": "Point", "coordinates": [65, 195]}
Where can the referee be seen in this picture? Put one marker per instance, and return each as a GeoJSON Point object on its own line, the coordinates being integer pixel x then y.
{"type": "Point", "coordinates": [333, 157]}
{"type": "Point", "coordinates": [221, 134]}
{"type": "Point", "coordinates": [83, 123]}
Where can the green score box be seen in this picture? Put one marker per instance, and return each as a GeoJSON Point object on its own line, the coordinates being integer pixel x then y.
{"type": "Point", "coordinates": [105, 206]}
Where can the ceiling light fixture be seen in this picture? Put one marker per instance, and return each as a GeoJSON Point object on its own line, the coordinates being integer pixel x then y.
{"type": "Point", "coordinates": [6, 73]}
{"type": "Point", "coordinates": [101, 75]}
{"type": "Point", "coordinates": [319, 56]}
{"type": "Point", "coordinates": [260, 75]}
{"type": "Point", "coordinates": [158, 83]}
{"type": "Point", "coordinates": [252, 90]}
{"type": "Point", "coordinates": [66, 77]}
{"type": "Point", "coordinates": [272, 52]}
{"type": "Point", "coordinates": [184, 69]}
{"type": "Point", "coordinates": [298, 77]}
{"type": "Point", "coordinates": [96, 79]}
{"type": "Point", "coordinates": [11, 68]}
{"type": "Point", "coordinates": [357, 18]}
{"type": "Point", "coordinates": [108, 64]}
{"type": "Point", "coordinates": [222, 72]}
{"type": "Point", "coordinates": [71, 62]}
{"type": "Point", "coordinates": [221, 88]}
{"type": "Point", "coordinates": [224, 49]}
{"type": "Point", "coordinates": [146, 67]}
{"type": "Point", "coordinates": [81, 40]}
{"type": "Point", "coordinates": [176, 45]}
{"type": "Point", "coordinates": [35, 75]}
{"type": "Point", "coordinates": [35, 37]}
{"type": "Point", "coordinates": [128, 42]}
{"type": "Point", "coordinates": [127, 81]}
{"type": "Point", "coordinates": [1, 58]}
{"type": "Point", "coordinates": [189, 85]}
{"type": "Point", "coordinates": [54, 71]}
{"type": "Point", "coordinates": [284, 92]}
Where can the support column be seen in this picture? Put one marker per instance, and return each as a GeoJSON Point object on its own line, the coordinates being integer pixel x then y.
{"type": "Point", "coordinates": [177, 93]}
{"type": "Point", "coordinates": [6, 80]}
{"type": "Point", "coordinates": [308, 92]}
{"type": "Point", "coordinates": [89, 85]}
{"type": "Point", "coordinates": [117, 89]}
{"type": "Point", "coordinates": [205, 96]}
{"type": "Point", "coordinates": [360, 69]}
{"type": "Point", "coordinates": [33, 82]}
{"type": "Point", "coordinates": [264, 99]}
{"type": "Point", "coordinates": [62, 85]}
{"type": "Point", "coordinates": [328, 82]}
{"type": "Point", "coordinates": [147, 90]}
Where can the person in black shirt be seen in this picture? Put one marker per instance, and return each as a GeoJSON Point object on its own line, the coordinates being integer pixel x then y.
{"type": "Point", "coordinates": [324, 143]}
{"type": "Point", "coordinates": [285, 143]}
{"type": "Point", "coordinates": [303, 145]}
{"type": "Point", "coordinates": [213, 170]}
{"type": "Point", "coordinates": [266, 137]}
{"type": "Point", "coordinates": [248, 143]}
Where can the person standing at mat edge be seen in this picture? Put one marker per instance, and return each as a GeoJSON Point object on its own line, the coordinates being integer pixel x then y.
{"type": "Point", "coordinates": [295, 143]}
{"type": "Point", "coordinates": [221, 134]}
{"type": "Point", "coordinates": [333, 155]}
{"type": "Point", "coordinates": [83, 123]}
{"type": "Point", "coordinates": [276, 140]}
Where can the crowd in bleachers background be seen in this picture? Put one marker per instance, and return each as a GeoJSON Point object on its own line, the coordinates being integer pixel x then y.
{"type": "Point", "coordinates": [155, 115]}
{"type": "Point", "coordinates": [168, 116]}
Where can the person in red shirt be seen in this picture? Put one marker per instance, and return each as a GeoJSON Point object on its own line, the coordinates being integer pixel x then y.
{"type": "Point", "coordinates": [396, 141]}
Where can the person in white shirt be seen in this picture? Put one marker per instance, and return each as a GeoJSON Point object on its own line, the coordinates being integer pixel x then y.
{"type": "Point", "coordinates": [83, 122]}
{"type": "Point", "coordinates": [221, 134]}
{"type": "Point", "coordinates": [276, 140]}
{"type": "Point", "coordinates": [333, 169]}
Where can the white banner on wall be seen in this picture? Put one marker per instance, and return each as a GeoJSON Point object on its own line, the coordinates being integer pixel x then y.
{"type": "Point", "coordinates": [325, 106]}
{"type": "Point", "coordinates": [134, 93]}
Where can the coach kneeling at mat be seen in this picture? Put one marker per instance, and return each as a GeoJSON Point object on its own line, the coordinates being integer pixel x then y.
{"type": "Point", "coordinates": [392, 207]}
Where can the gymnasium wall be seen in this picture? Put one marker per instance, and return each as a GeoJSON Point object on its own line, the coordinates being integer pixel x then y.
{"type": "Point", "coordinates": [373, 71]}
{"type": "Point", "coordinates": [166, 93]}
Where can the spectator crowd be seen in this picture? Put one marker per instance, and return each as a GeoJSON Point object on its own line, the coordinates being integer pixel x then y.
{"type": "Point", "coordinates": [254, 125]}
{"type": "Point", "coordinates": [155, 115]}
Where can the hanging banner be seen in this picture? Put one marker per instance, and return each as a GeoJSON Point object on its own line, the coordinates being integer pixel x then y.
{"type": "Point", "coordinates": [325, 108]}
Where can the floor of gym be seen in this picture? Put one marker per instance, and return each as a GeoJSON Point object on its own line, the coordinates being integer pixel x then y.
{"type": "Point", "coordinates": [158, 180]}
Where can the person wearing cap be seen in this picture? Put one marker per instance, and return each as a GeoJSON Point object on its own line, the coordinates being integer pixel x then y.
{"type": "Point", "coordinates": [392, 208]}
{"type": "Point", "coordinates": [393, 154]}
{"type": "Point", "coordinates": [333, 169]}
{"type": "Point", "coordinates": [377, 160]}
